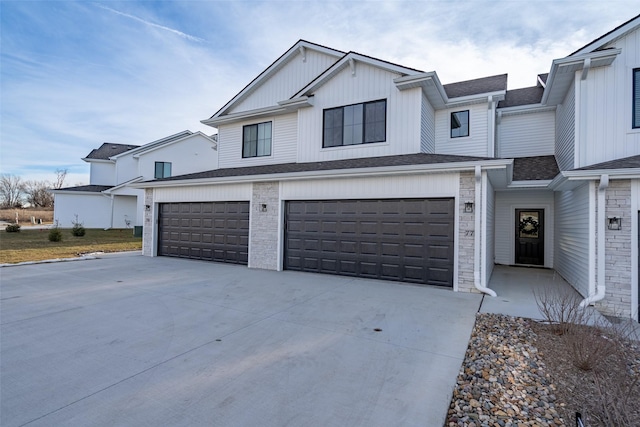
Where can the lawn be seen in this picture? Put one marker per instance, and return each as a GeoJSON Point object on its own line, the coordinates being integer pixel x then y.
{"type": "Point", "coordinates": [34, 245]}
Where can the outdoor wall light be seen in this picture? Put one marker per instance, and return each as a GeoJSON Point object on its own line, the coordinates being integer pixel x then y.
{"type": "Point", "coordinates": [263, 207]}
{"type": "Point", "coordinates": [147, 208]}
{"type": "Point", "coordinates": [614, 223]}
{"type": "Point", "coordinates": [468, 207]}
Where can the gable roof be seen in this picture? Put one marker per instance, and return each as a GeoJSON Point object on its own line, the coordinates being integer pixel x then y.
{"type": "Point", "coordinates": [299, 46]}
{"type": "Point", "coordinates": [618, 32]}
{"type": "Point", "coordinates": [489, 84]}
{"type": "Point", "coordinates": [108, 150]}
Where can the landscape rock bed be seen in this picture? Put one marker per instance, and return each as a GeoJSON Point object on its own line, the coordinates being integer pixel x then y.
{"type": "Point", "coordinates": [503, 381]}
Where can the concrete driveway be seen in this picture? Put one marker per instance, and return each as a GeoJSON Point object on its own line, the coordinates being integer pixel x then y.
{"type": "Point", "coordinates": [137, 341]}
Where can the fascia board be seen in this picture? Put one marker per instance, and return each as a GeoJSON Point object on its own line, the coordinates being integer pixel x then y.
{"type": "Point", "coordinates": [543, 183]}
{"type": "Point", "coordinates": [526, 109]}
{"type": "Point", "coordinates": [98, 160]}
{"type": "Point", "coordinates": [631, 173]}
{"type": "Point", "coordinates": [283, 107]}
{"type": "Point", "coordinates": [423, 80]}
{"type": "Point", "coordinates": [159, 146]}
{"type": "Point", "coordinates": [335, 173]}
{"type": "Point", "coordinates": [124, 184]}
{"type": "Point", "coordinates": [476, 99]}
{"type": "Point", "coordinates": [609, 37]}
{"type": "Point", "coordinates": [84, 193]}
{"type": "Point", "coordinates": [151, 145]}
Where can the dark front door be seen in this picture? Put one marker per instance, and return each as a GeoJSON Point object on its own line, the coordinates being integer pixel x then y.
{"type": "Point", "coordinates": [530, 236]}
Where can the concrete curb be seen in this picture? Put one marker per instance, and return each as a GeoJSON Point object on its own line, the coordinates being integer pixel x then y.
{"type": "Point", "coordinates": [87, 257]}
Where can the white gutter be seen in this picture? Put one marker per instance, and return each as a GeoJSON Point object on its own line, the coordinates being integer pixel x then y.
{"type": "Point", "coordinates": [600, 226]}
{"type": "Point", "coordinates": [477, 279]}
{"type": "Point", "coordinates": [332, 173]}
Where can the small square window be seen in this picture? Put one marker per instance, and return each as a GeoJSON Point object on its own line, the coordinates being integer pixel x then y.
{"type": "Point", "coordinates": [163, 170]}
{"type": "Point", "coordinates": [256, 140]}
{"type": "Point", "coordinates": [460, 124]}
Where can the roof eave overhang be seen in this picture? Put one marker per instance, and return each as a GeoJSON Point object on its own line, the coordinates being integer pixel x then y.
{"type": "Point", "coordinates": [335, 173]}
{"type": "Point", "coordinates": [568, 180]}
{"type": "Point", "coordinates": [525, 109]}
{"type": "Point", "coordinates": [541, 184]}
{"type": "Point", "coordinates": [88, 160]}
{"type": "Point", "coordinates": [283, 107]}
{"type": "Point", "coordinates": [122, 185]}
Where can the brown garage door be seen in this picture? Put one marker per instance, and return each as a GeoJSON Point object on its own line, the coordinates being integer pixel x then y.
{"type": "Point", "coordinates": [213, 231]}
{"type": "Point", "coordinates": [409, 240]}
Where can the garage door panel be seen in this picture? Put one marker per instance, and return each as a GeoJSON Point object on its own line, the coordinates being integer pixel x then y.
{"type": "Point", "coordinates": [185, 230]}
{"type": "Point", "coordinates": [396, 239]}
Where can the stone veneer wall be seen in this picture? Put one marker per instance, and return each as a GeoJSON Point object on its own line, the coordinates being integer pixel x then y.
{"type": "Point", "coordinates": [617, 299]}
{"type": "Point", "coordinates": [466, 230]}
{"type": "Point", "coordinates": [263, 240]}
{"type": "Point", "coordinates": [148, 226]}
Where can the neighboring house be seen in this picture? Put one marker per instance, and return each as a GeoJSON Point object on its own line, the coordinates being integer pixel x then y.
{"type": "Point", "coordinates": [341, 163]}
{"type": "Point", "coordinates": [109, 201]}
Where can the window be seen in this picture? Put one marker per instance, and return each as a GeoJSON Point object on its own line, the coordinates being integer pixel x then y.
{"type": "Point", "coordinates": [163, 170]}
{"type": "Point", "coordinates": [636, 98]}
{"type": "Point", "coordinates": [256, 140]}
{"type": "Point", "coordinates": [355, 124]}
{"type": "Point", "coordinates": [460, 124]}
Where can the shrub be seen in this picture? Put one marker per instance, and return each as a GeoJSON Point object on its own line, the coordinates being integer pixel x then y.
{"type": "Point", "coordinates": [560, 308]}
{"type": "Point", "coordinates": [78, 229]}
{"type": "Point", "coordinates": [55, 235]}
{"type": "Point", "coordinates": [13, 228]}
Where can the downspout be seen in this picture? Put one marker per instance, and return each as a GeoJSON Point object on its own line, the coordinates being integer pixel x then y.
{"type": "Point", "coordinates": [477, 280]}
{"type": "Point", "coordinates": [600, 226]}
{"type": "Point", "coordinates": [111, 221]}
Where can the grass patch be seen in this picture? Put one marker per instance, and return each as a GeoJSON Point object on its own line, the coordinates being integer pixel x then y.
{"type": "Point", "coordinates": [34, 245]}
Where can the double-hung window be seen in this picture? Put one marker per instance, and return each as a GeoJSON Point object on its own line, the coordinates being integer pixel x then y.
{"type": "Point", "coordinates": [355, 124]}
{"type": "Point", "coordinates": [636, 99]}
{"type": "Point", "coordinates": [256, 140]}
{"type": "Point", "coordinates": [459, 124]}
{"type": "Point", "coordinates": [163, 170]}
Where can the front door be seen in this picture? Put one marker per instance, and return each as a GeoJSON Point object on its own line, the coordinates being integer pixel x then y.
{"type": "Point", "coordinates": [530, 236]}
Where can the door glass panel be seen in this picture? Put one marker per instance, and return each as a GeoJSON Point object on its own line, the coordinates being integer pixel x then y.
{"type": "Point", "coordinates": [529, 224]}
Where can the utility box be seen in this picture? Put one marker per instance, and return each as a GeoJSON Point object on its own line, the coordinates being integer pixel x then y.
{"type": "Point", "coordinates": [137, 231]}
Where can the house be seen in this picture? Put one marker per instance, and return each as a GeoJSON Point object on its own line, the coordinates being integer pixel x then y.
{"type": "Point", "coordinates": [109, 201]}
{"type": "Point", "coordinates": [341, 163]}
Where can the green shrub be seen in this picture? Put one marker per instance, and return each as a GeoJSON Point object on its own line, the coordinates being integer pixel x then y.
{"type": "Point", "coordinates": [78, 229]}
{"type": "Point", "coordinates": [12, 228]}
{"type": "Point", "coordinates": [55, 235]}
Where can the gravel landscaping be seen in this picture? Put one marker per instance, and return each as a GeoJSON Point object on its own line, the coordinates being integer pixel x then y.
{"type": "Point", "coordinates": [518, 372]}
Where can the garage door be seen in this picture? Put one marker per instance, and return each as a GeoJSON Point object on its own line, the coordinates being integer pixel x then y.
{"type": "Point", "coordinates": [213, 231]}
{"type": "Point", "coordinates": [409, 240]}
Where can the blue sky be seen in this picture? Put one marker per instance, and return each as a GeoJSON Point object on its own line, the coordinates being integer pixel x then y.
{"type": "Point", "coordinates": [76, 74]}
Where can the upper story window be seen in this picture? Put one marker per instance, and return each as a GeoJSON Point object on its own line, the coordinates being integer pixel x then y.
{"type": "Point", "coordinates": [256, 140]}
{"type": "Point", "coordinates": [163, 170]}
{"type": "Point", "coordinates": [460, 124]}
{"type": "Point", "coordinates": [355, 124]}
{"type": "Point", "coordinates": [636, 98]}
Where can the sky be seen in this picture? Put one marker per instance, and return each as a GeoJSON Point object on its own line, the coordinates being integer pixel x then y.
{"type": "Point", "coordinates": [74, 75]}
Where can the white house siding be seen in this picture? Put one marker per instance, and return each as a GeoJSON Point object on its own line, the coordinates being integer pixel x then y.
{"type": "Point", "coordinates": [102, 173]}
{"type": "Point", "coordinates": [572, 236]}
{"type": "Point", "coordinates": [527, 135]}
{"type": "Point", "coordinates": [203, 193]}
{"type": "Point", "coordinates": [289, 79]}
{"type": "Point", "coordinates": [605, 105]}
{"type": "Point", "coordinates": [93, 209]}
{"type": "Point", "coordinates": [193, 154]}
{"type": "Point", "coordinates": [126, 168]}
{"type": "Point", "coordinates": [368, 84]}
{"type": "Point", "coordinates": [476, 144]}
{"type": "Point", "coordinates": [490, 213]}
{"type": "Point", "coordinates": [427, 127]}
{"type": "Point", "coordinates": [506, 204]}
{"type": "Point", "coordinates": [565, 131]}
{"type": "Point", "coordinates": [124, 209]}
{"type": "Point", "coordinates": [283, 142]}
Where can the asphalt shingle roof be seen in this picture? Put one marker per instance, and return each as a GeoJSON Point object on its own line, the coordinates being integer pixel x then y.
{"type": "Point", "coordinates": [88, 188]}
{"type": "Point", "coordinates": [367, 162]}
{"type": "Point", "coordinates": [474, 87]}
{"type": "Point", "coordinates": [524, 96]}
{"type": "Point", "coordinates": [107, 150]}
{"type": "Point", "coordinates": [535, 168]}
{"type": "Point", "coordinates": [625, 163]}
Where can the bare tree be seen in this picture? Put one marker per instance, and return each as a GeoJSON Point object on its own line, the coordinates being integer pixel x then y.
{"type": "Point", "coordinates": [11, 190]}
{"type": "Point", "coordinates": [37, 193]}
{"type": "Point", "coordinates": [61, 175]}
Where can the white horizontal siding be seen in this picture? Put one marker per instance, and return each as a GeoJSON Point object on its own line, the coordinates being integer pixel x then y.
{"type": "Point", "coordinates": [288, 80]}
{"type": "Point", "coordinates": [505, 222]}
{"type": "Point", "coordinates": [604, 100]}
{"type": "Point", "coordinates": [203, 193]}
{"type": "Point", "coordinates": [93, 210]}
{"type": "Point", "coordinates": [565, 131]}
{"type": "Point", "coordinates": [476, 144]}
{"type": "Point", "coordinates": [102, 173]}
{"type": "Point", "coordinates": [572, 237]}
{"type": "Point", "coordinates": [368, 84]}
{"type": "Point", "coordinates": [193, 154]}
{"type": "Point", "coordinates": [283, 143]}
{"type": "Point", "coordinates": [427, 127]}
{"type": "Point", "coordinates": [431, 185]}
{"type": "Point", "coordinates": [527, 135]}
{"type": "Point", "coordinates": [125, 209]}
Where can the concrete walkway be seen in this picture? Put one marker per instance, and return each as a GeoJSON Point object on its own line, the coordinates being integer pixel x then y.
{"type": "Point", "coordinates": [130, 340]}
